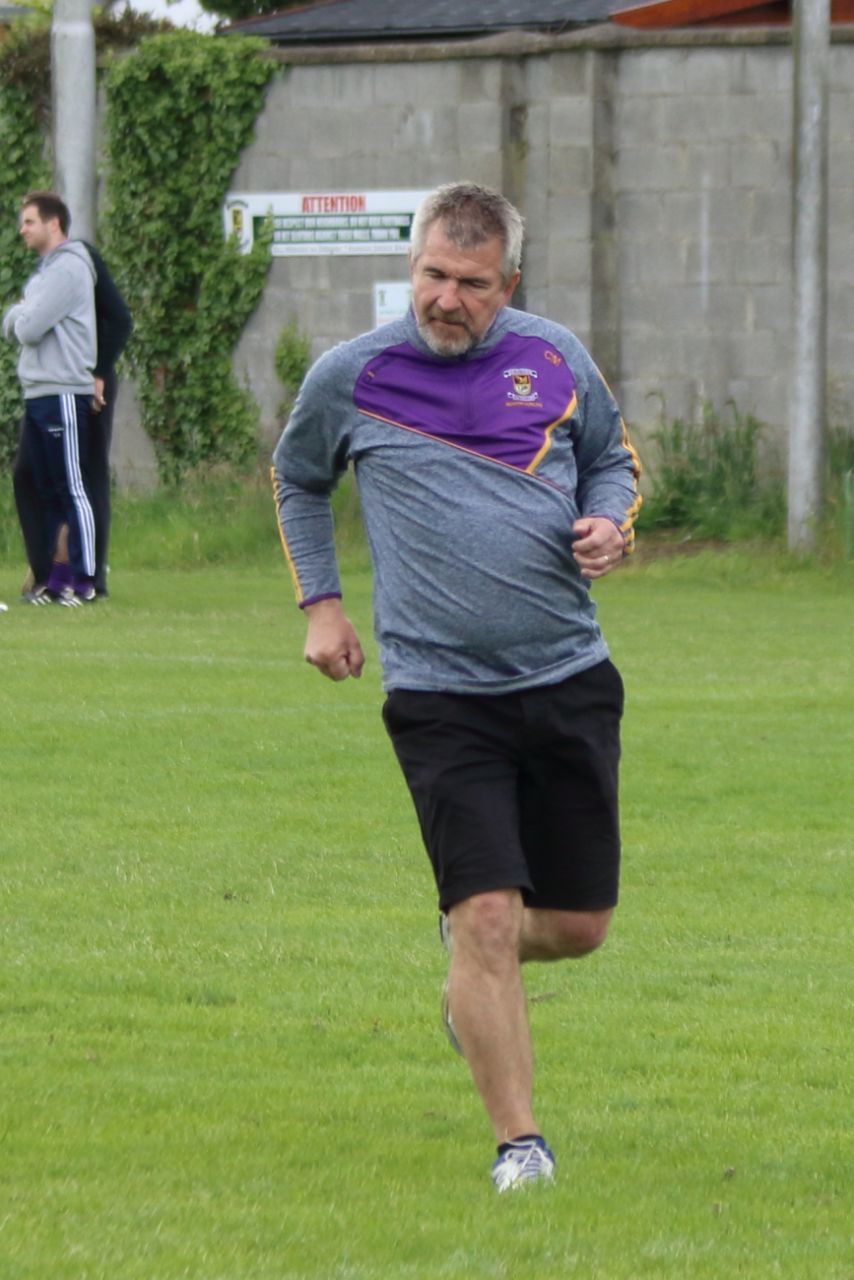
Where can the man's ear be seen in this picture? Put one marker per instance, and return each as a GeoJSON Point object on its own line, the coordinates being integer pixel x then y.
{"type": "Point", "coordinates": [511, 285]}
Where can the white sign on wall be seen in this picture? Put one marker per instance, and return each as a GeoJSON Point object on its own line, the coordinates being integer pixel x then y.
{"type": "Point", "coordinates": [311, 223]}
{"type": "Point", "coordinates": [391, 300]}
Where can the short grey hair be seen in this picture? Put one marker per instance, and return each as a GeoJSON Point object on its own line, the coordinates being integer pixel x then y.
{"type": "Point", "coordinates": [469, 215]}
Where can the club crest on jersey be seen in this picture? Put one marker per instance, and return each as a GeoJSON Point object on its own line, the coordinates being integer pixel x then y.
{"type": "Point", "coordinates": [523, 388]}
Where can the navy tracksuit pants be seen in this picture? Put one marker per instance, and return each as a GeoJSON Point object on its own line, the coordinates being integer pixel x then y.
{"type": "Point", "coordinates": [97, 475]}
{"type": "Point", "coordinates": [56, 434]}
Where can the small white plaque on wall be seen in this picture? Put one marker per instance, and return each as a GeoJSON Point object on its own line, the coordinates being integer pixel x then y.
{"type": "Point", "coordinates": [391, 300]}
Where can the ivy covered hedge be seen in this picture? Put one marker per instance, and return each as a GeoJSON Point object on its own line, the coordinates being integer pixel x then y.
{"type": "Point", "coordinates": [180, 109]}
{"type": "Point", "coordinates": [22, 167]}
{"type": "Point", "coordinates": [25, 162]}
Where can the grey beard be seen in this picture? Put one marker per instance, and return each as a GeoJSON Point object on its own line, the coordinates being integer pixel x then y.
{"type": "Point", "coordinates": [456, 346]}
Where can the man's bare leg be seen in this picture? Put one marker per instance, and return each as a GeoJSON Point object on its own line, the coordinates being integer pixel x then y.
{"type": "Point", "coordinates": [493, 934]}
{"type": "Point", "coordinates": [487, 999]}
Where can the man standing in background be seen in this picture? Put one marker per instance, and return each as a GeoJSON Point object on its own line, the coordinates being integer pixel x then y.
{"type": "Point", "coordinates": [55, 324]}
{"type": "Point", "coordinates": [113, 324]}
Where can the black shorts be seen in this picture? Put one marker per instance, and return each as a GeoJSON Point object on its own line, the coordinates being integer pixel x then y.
{"type": "Point", "coordinates": [517, 790]}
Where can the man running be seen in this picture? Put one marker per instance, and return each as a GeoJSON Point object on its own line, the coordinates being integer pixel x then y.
{"type": "Point", "coordinates": [496, 481]}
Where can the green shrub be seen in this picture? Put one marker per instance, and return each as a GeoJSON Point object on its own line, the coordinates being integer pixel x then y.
{"type": "Point", "coordinates": [840, 454]}
{"type": "Point", "coordinates": [291, 360]}
{"type": "Point", "coordinates": [840, 483]}
{"type": "Point", "coordinates": [707, 479]}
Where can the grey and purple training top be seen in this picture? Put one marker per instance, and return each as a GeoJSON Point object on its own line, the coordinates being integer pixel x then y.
{"type": "Point", "coordinates": [471, 471]}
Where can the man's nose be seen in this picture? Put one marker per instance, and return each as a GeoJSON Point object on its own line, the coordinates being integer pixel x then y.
{"type": "Point", "coordinates": [449, 296]}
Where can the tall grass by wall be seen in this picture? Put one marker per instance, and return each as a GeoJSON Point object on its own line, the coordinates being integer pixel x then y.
{"type": "Point", "coordinates": [707, 478]}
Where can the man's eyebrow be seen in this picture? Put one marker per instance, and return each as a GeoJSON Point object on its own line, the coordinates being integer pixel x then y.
{"type": "Point", "coordinates": [439, 271]}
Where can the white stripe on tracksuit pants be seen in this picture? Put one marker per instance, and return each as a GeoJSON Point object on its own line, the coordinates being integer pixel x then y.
{"type": "Point", "coordinates": [55, 433]}
{"type": "Point", "coordinates": [76, 487]}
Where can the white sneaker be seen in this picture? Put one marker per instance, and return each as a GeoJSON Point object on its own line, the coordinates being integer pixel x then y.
{"type": "Point", "coordinates": [69, 597]}
{"type": "Point", "coordinates": [529, 1161]}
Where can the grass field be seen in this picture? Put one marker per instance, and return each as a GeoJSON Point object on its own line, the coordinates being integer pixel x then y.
{"type": "Point", "coordinates": [220, 1053]}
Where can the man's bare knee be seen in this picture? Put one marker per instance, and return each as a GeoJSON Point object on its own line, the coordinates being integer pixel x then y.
{"type": "Point", "coordinates": [560, 935]}
{"type": "Point", "coordinates": [583, 931]}
{"type": "Point", "coordinates": [489, 923]}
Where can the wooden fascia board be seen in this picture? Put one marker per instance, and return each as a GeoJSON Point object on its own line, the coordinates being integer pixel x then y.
{"type": "Point", "coordinates": [688, 13]}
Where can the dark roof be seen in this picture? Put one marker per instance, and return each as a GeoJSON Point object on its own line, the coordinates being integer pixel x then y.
{"type": "Point", "coordinates": [342, 21]}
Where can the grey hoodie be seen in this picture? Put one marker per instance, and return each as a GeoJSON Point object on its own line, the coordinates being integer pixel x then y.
{"type": "Point", "coordinates": [55, 324]}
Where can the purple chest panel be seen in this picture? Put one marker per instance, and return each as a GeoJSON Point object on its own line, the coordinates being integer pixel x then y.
{"type": "Point", "coordinates": [502, 405]}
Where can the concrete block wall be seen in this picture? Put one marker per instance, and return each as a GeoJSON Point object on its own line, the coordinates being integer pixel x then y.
{"type": "Point", "coordinates": [555, 195]}
{"type": "Point", "coordinates": [704, 138]}
{"type": "Point", "coordinates": [655, 176]}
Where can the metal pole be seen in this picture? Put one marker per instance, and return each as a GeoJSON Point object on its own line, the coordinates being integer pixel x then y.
{"type": "Point", "coordinates": [807, 428]}
{"type": "Point", "coordinates": [72, 43]}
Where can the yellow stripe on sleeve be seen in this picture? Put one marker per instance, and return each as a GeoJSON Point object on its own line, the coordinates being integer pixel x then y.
{"type": "Point", "coordinates": [627, 527]}
{"type": "Point", "coordinates": [549, 432]}
{"type": "Point", "coordinates": [298, 591]}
